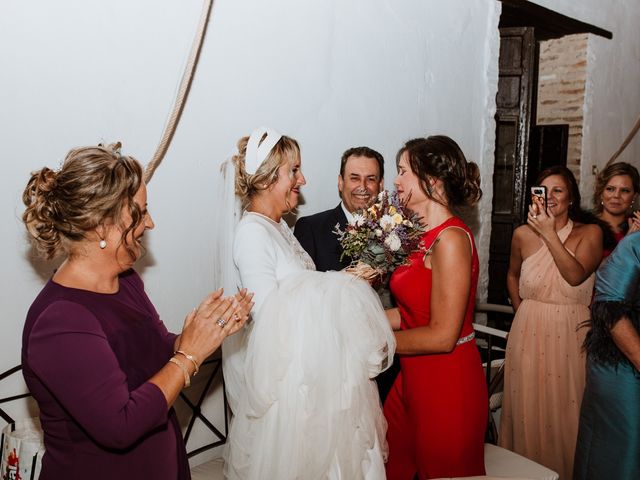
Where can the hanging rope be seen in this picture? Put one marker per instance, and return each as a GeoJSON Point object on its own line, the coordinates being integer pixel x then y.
{"type": "Point", "coordinates": [183, 93]}
{"type": "Point", "coordinates": [626, 142]}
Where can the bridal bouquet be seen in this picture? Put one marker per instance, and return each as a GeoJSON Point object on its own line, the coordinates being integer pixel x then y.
{"type": "Point", "coordinates": [380, 238]}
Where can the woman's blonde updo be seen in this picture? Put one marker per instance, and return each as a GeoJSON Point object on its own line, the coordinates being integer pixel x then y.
{"type": "Point", "coordinates": [286, 151]}
{"type": "Point", "coordinates": [91, 188]}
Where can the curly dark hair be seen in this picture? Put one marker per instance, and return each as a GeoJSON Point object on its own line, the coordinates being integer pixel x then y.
{"type": "Point", "coordinates": [438, 156]}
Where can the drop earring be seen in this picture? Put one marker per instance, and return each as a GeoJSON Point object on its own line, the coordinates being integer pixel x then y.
{"type": "Point", "coordinates": [102, 244]}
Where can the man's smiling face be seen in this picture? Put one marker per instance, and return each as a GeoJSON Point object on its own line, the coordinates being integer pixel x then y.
{"type": "Point", "coordinates": [361, 182]}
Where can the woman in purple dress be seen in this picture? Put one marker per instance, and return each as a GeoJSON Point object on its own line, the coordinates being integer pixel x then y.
{"type": "Point", "coordinates": [95, 355]}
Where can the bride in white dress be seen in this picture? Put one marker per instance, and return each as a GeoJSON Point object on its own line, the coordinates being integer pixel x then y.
{"type": "Point", "coordinates": [298, 378]}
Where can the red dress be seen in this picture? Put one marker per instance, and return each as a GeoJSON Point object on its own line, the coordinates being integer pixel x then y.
{"type": "Point", "coordinates": [618, 236]}
{"type": "Point", "coordinates": [437, 409]}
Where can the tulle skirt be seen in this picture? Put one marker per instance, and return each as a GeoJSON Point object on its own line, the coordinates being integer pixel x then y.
{"type": "Point", "coordinates": [306, 405]}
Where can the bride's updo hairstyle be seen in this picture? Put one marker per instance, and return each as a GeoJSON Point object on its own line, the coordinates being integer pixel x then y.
{"type": "Point", "coordinates": [247, 184]}
{"type": "Point", "coordinates": [91, 188]}
{"type": "Point", "coordinates": [439, 157]}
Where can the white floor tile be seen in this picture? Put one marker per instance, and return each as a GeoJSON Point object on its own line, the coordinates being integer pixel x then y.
{"type": "Point", "coordinates": [211, 470]}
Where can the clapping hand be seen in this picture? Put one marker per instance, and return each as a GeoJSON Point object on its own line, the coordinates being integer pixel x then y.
{"type": "Point", "coordinates": [634, 222]}
{"type": "Point", "coordinates": [216, 318]}
{"type": "Point", "coordinates": [242, 304]}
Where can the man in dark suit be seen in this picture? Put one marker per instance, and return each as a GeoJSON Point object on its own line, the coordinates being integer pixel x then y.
{"type": "Point", "coordinates": [360, 180]}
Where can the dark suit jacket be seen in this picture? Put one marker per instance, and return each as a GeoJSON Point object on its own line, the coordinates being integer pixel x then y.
{"type": "Point", "coordinates": [315, 234]}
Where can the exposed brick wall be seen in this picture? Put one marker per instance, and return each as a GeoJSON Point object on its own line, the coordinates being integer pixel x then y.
{"type": "Point", "coordinates": [561, 89]}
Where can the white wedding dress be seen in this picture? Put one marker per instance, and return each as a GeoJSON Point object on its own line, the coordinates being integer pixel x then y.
{"type": "Point", "coordinates": [298, 377]}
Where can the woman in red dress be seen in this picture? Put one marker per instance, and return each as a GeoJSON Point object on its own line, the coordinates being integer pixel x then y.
{"type": "Point", "coordinates": [437, 409]}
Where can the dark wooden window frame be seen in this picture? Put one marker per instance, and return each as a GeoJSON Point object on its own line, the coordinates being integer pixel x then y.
{"type": "Point", "coordinates": [546, 22]}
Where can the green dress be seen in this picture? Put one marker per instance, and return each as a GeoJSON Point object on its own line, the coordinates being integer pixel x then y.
{"type": "Point", "coordinates": [609, 433]}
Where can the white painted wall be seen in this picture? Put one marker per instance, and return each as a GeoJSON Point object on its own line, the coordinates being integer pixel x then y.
{"type": "Point", "coordinates": [331, 73]}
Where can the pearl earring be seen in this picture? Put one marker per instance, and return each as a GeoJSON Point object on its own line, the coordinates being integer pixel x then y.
{"type": "Point", "coordinates": [103, 244]}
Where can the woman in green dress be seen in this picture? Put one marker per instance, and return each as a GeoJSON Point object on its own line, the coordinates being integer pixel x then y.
{"type": "Point", "coordinates": [609, 433]}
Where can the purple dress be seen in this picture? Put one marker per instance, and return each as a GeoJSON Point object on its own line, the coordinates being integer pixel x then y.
{"type": "Point", "coordinates": [86, 358]}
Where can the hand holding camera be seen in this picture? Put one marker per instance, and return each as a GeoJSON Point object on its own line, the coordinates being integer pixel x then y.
{"type": "Point", "coordinates": [540, 219]}
{"type": "Point", "coordinates": [539, 199]}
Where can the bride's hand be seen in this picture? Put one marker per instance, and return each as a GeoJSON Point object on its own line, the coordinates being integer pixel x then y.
{"type": "Point", "coordinates": [364, 271]}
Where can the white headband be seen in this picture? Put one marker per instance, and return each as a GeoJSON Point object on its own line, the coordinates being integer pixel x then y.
{"type": "Point", "coordinates": [256, 151]}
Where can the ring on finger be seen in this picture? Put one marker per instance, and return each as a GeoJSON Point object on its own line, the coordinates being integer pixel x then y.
{"type": "Point", "coordinates": [236, 317]}
{"type": "Point", "coordinates": [534, 216]}
{"type": "Point", "coordinates": [222, 322]}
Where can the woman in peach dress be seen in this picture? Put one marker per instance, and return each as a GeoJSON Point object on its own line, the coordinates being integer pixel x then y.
{"type": "Point", "coordinates": [550, 282]}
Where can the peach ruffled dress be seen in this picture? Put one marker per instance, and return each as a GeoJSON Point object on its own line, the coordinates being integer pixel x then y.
{"type": "Point", "coordinates": [545, 364]}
